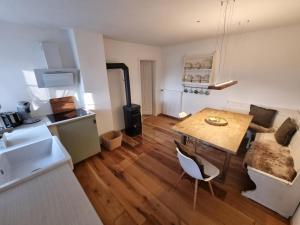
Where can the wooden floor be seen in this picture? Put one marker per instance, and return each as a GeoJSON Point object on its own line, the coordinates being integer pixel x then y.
{"type": "Point", "coordinates": [137, 185]}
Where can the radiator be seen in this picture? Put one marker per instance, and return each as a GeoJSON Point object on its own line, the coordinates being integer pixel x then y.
{"type": "Point", "coordinates": [172, 100]}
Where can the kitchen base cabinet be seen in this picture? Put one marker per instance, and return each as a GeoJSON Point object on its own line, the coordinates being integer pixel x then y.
{"type": "Point", "coordinates": [53, 130]}
{"type": "Point", "coordinates": [80, 137]}
{"type": "Point", "coordinates": [53, 198]}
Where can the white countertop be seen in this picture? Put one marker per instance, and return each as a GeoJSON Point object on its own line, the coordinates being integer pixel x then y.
{"type": "Point", "coordinates": [1, 145]}
{"type": "Point", "coordinates": [47, 122]}
{"type": "Point", "coordinates": [54, 198]}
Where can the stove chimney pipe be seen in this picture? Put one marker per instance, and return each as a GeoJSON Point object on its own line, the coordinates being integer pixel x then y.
{"type": "Point", "coordinates": [126, 78]}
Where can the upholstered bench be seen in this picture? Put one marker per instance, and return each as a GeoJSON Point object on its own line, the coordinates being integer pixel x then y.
{"type": "Point", "coordinates": [278, 193]}
{"type": "Point", "coordinates": [275, 171]}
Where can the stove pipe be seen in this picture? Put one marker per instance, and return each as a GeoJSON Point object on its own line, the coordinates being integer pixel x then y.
{"type": "Point", "coordinates": [126, 78]}
{"type": "Point", "coordinates": [132, 112]}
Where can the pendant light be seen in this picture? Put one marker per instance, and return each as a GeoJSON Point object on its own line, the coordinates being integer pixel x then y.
{"type": "Point", "coordinates": [228, 6]}
{"type": "Point", "coordinates": [222, 85]}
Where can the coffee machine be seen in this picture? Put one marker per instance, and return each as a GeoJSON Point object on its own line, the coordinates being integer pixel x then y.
{"type": "Point", "coordinates": [24, 111]}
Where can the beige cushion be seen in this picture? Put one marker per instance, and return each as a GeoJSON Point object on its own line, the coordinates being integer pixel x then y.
{"type": "Point", "coordinates": [260, 129]}
{"type": "Point", "coordinates": [265, 136]}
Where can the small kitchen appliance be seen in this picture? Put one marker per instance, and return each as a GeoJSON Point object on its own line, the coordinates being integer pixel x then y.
{"type": "Point", "coordinates": [23, 108]}
{"type": "Point", "coordinates": [11, 119]}
{"type": "Point", "coordinates": [57, 117]}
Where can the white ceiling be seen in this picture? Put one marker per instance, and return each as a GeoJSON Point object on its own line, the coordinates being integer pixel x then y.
{"type": "Point", "coordinates": [156, 22]}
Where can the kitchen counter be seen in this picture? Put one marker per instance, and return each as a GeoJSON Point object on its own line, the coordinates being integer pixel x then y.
{"type": "Point", "coordinates": [78, 134]}
{"type": "Point", "coordinates": [45, 121]}
{"type": "Point", "coordinates": [55, 197]}
{"type": "Point", "coordinates": [2, 146]}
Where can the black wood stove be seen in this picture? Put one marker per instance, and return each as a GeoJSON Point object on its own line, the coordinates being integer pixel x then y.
{"type": "Point", "coordinates": [132, 112]}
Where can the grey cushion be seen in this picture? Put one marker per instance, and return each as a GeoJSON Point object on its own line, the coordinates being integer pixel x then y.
{"type": "Point", "coordinates": [285, 132]}
{"type": "Point", "coordinates": [262, 116]}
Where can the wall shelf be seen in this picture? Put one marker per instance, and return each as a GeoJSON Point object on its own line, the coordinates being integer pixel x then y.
{"type": "Point", "coordinates": [198, 71]}
{"type": "Point", "coordinates": [195, 84]}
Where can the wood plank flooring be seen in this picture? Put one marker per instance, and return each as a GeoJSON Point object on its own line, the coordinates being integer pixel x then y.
{"type": "Point", "coordinates": [130, 186]}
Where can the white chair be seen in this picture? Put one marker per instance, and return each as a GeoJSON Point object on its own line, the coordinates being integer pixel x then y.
{"type": "Point", "coordinates": [190, 167]}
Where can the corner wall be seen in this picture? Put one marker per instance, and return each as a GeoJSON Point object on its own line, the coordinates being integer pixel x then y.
{"type": "Point", "coordinates": [130, 54]}
{"type": "Point", "coordinates": [89, 54]}
{"type": "Point", "coordinates": [20, 53]}
{"type": "Point", "coordinates": [265, 63]}
{"type": "Point", "coordinates": [296, 217]}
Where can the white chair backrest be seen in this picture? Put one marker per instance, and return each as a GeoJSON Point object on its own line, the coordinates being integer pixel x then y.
{"type": "Point", "coordinates": [189, 166]}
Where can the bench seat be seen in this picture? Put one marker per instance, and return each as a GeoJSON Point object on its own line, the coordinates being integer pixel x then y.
{"type": "Point", "coordinates": [272, 158]}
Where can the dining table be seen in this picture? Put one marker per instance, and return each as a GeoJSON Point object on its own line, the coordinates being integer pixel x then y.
{"type": "Point", "coordinates": [225, 137]}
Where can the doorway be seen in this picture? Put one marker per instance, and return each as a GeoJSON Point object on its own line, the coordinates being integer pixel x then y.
{"type": "Point", "coordinates": [147, 78]}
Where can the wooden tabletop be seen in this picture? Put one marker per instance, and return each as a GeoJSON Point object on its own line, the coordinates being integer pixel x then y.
{"type": "Point", "coordinates": [227, 138]}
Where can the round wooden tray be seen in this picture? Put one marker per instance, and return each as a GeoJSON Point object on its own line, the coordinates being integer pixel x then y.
{"type": "Point", "coordinates": [216, 121]}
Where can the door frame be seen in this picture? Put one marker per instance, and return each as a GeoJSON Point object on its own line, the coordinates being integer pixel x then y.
{"type": "Point", "coordinates": [154, 79]}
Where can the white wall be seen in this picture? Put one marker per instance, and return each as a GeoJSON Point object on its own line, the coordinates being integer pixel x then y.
{"type": "Point", "coordinates": [130, 54]}
{"type": "Point", "coordinates": [20, 53]}
{"type": "Point", "coordinates": [89, 54]}
{"type": "Point", "coordinates": [296, 218]}
{"type": "Point", "coordinates": [265, 63]}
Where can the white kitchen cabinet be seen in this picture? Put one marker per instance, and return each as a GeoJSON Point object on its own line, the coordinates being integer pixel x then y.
{"type": "Point", "coordinates": [55, 197]}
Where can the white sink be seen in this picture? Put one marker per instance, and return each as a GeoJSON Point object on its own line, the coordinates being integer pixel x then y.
{"type": "Point", "coordinates": [25, 136]}
{"type": "Point", "coordinates": [21, 163]}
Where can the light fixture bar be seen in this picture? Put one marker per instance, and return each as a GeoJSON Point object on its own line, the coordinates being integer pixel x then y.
{"type": "Point", "coordinates": [222, 85]}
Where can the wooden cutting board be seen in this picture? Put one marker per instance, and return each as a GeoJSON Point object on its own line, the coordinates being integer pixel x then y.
{"type": "Point", "coordinates": [64, 104]}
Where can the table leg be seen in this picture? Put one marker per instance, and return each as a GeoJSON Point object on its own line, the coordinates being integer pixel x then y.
{"type": "Point", "coordinates": [225, 167]}
{"type": "Point", "coordinates": [183, 139]}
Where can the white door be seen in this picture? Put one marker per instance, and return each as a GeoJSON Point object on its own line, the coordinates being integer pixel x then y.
{"type": "Point", "coordinates": [147, 68]}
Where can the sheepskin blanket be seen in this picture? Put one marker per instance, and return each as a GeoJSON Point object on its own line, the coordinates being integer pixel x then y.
{"type": "Point", "coordinates": [270, 157]}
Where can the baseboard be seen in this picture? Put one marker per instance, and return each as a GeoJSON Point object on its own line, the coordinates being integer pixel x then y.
{"type": "Point", "coordinates": [172, 117]}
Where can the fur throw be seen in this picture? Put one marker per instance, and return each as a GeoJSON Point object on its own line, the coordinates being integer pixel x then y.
{"type": "Point", "coordinates": [270, 157]}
